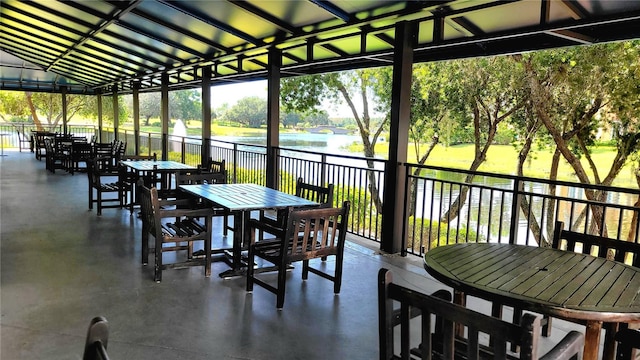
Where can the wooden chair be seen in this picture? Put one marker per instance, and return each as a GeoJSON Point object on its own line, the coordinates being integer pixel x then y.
{"type": "Point", "coordinates": [310, 234]}
{"type": "Point", "coordinates": [438, 339]}
{"type": "Point", "coordinates": [105, 151]}
{"type": "Point", "coordinates": [628, 342]}
{"type": "Point", "coordinates": [213, 166]}
{"type": "Point", "coordinates": [25, 141]}
{"type": "Point", "coordinates": [618, 250]}
{"type": "Point", "coordinates": [95, 347]}
{"type": "Point", "coordinates": [181, 234]}
{"type": "Point", "coordinates": [81, 152]}
{"type": "Point", "coordinates": [129, 179]}
{"type": "Point", "coordinates": [39, 143]}
{"type": "Point", "coordinates": [320, 194]}
{"type": "Point", "coordinates": [108, 189]}
{"type": "Point", "coordinates": [55, 158]}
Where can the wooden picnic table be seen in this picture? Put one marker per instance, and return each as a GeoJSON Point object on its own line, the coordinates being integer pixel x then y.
{"type": "Point", "coordinates": [240, 200]}
{"type": "Point", "coordinates": [563, 284]}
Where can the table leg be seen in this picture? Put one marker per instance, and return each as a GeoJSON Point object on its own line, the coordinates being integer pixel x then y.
{"type": "Point", "coordinates": [592, 340]}
{"type": "Point", "coordinates": [459, 298]}
{"type": "Point", "coordinates": [238, 241]}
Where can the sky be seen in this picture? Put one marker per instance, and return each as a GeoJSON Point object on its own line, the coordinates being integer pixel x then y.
{"type": "Point", "coordinates": [231, 93]}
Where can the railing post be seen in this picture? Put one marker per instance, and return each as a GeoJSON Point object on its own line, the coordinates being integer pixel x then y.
{"type": "Point", "coordinates": [234, 178]}
{"type": "Point", "coordinates": [323, 169]}
{"type": "Point", "coordinates": [515, 211]}
{"type": "Point", "coordinates": [183, 150]}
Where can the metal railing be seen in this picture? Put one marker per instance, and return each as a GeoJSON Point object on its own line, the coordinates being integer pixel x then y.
{"type": "Point", "coordinates": [18, 135]}
{"type": "Point", "coordinates": [442, 208]}
{"type": "Point", "coordinates": [442, 205]}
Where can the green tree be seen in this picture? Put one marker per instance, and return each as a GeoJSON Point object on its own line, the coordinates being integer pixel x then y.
{"type": "Point", "coordinates": [482, 92]}
{"type": "Point", "coordinates": [575, 91]}
{"type": "Point", "coordinates": [12, 105]}
{"type": "Point", "coordinates": [185, 104]}
{"type": "Point", "coordinates": [250, 111]}
{"type": "Point", "coordinates": [317, 118]}
{"type": "Point", "coordinates": [306, 94]}
{"type": "Point", "coordinates": [290, 119]}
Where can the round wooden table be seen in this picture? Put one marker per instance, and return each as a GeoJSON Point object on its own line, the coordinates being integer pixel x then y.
{"type": "Point", "coordinates": [562, 284]}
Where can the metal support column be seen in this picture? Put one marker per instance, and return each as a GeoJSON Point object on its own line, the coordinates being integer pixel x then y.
{"type": "Point", "coordinates": [116, 119]}
{"type": "Point", "coordinates": [164, 115]}
{"type": "Point", "coordinates": [206, 115]}
{"type": "Point", "coordinates": [273, 117]}
{"type": "Point", "coordinates": [136, 117]}
{"type": "Point", "coordinates": [393, 221]}
{"type": "Point", "coordinates": [65, 125]}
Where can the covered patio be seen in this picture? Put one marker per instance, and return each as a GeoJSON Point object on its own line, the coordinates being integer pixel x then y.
{"type": "Point", "coordinates": [63, 265]}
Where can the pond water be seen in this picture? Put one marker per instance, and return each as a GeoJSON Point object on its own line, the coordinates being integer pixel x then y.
{"type": "Point", "coordinates": [323, 143]}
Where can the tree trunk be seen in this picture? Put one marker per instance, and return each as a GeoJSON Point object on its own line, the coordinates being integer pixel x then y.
{"type": "Point", "coordinates": [553, 175]}
{"type": "Point", "coordinates": [525, 206]}
{"type": "Point", "coordinates": [416, 172]}
{"type": "Point", "coordinates": [34, 113]}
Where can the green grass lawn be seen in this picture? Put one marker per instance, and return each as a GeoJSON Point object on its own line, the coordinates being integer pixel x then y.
{"type": "Point", "coordinates": [502, 159]}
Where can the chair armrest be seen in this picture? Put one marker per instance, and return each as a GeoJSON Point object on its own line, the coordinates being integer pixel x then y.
{"type": "Point", "coordinates": [266, 227]}
{"type": "Point", "coordinates": [164, 213]}
{"type": "Point", "coordinates": [570, 346]}
{"type": "Point", "coordinates": [177, 202]}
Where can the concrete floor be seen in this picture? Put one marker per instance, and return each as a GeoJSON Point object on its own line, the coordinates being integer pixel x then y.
{"type": "Point", "coordinates": [61, 265]}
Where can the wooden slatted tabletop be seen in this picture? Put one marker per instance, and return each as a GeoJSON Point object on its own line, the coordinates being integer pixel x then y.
{"type": "Point", "coordinates": [159, 165]}
{"type": "Point", "coordinates": [559, 283]}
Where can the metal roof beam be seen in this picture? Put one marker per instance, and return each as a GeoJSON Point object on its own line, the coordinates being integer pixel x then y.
{"type": "Point", "coordinates": [213, 22]}
{"type": "Point", "coordinates": [333, 10]}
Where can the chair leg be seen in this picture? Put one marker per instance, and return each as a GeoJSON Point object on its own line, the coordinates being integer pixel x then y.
{"type": "Point", "coordinates": [337, 280]}
{"type": "Point", "coordinates": [546, 328]}
{"type": "Point", "coordinates": [282, 281]}
{"type": "Point", "coordinates": [90, 197]}
{"type": "Point", "coordinates": [305, 269]}
{"type": "Point", "coordinates": [207, 249]}
{"type": "Point", "coordinates": [99, 203]}
{"type": "Point", "coordinates": [158, 262]}
{"type": "Point", "coordinates": [145, 246]}
{"type": "Point", "coordinates": [250, 260]}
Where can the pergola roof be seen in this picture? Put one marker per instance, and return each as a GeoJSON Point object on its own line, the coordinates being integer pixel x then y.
{"type": "Point", "coordinates": [94, 46]}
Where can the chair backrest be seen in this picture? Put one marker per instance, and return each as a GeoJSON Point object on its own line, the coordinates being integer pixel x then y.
{"type": "Point", "coordinates": [95, 347]}
{"type": "Point", "coordinates": [618, 250]}
{"type": "Point", "coordinates": [214, 166]}
{"type": "Point", "coordinates": [316, 232]}
{"type": "Point", "coordinates": [201, 178]}
{"type": "Point", "coordinates": [441, 339]}
{"type": "Point", "coordinates": [82, 149]}
{"type": "Point", "coordinates": [319, 194]}
{"type": "Point", "coordinates": [149, 203]}
{"type": "Point", "coordinates": [628, 340]}
{"type": "Point", "coordinates": [48, 145]}
{"type": "Point", "coordinates": [153, 157]}
{"type": "Point", "coordinates": [103, 150]}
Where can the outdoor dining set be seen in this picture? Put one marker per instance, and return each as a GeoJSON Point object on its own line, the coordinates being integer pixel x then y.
{"type": "Point", "coordinates": [72, 153]}
{"type": "Point", "coordinates": [585, 279]}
